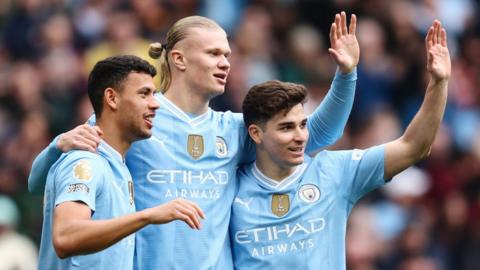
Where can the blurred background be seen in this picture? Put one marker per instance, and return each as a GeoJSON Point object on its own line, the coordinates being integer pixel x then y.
{"type": "Point", "coordinates": [428, 218]}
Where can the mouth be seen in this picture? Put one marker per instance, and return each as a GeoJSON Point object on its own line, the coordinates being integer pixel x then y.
{"type": "Point", "coordinates": [221, 77]}
{"type": "Point", "coordinates": [297, 151]}
{"type": "Point", "coordinates": [149, 119]}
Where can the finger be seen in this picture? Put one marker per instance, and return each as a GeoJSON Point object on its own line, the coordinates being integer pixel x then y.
{"type": "Point", "coordinates": [338, 24]}
{"type": "Point", "coordinates": [444, 37]}
{"type": "Point", "coordinates": [333, 34]}
{"type": "Point", "coordinates": [343, 19]}
{"type": "Point", "coordinates": [334, 54]}
{"type": "Point", "coordinates": [353, 25]}
{"type": "Point", "coordinates": [88, 138]}
{"type": "Point", "coordinates": [435, 30]}
{"type": "Point", "coordinates": [93, 131]}
{"type": "Point", "coordinates": [192, 215]}
{"type": "Point", "coordinates": [181, 216]}
{"type": "Point", "coordinates": [199, 210]}
{"type": "Point", "coordinates": [84, 147]}
{"type": "Point", "coordinates": [439, 33]}
{"type": "Point", "coordinates": [185, 207]}
{"type": "Point", "coordinates": [429, 38]}
{"type": "Point", "coordinates": [98, 130]}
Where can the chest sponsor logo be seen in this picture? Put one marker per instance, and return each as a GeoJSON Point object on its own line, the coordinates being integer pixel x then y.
{"type": "Point", "coordinates": [280, 204]}
{"type": "Point", "coordinates": [220, 147]}
{"type": "Point", "coordinates": [195, 146]}
{"type": "Point", "coordinates": [309, 193]}
{"type": "Point", "coordinates": [131, 194]}
{"type": "Point", "coordinates": [82, 170]}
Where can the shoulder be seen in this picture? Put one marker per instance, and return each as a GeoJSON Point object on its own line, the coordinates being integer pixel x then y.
{"type": "Point", "coordinates": [80, 162]}
{"type": "Point", "coordinates": [229, 117]}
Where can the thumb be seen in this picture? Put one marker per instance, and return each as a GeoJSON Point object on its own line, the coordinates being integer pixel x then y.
{"type": "Point", "coordinates": [333, 53]}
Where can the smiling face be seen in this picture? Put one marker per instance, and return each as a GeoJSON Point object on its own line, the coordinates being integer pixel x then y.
{"type": "Point", "coordinates": [205, 52]}
{"type": "Point", "coordinates": [281, 141]}
{"type": "Point", "coordinates": [137, 105]}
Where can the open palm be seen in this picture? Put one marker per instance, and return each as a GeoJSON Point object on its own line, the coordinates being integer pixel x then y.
{"type": "Point", "coordinates": [438, 57]}
{"type": "Point", "coordinates": [344, 45]}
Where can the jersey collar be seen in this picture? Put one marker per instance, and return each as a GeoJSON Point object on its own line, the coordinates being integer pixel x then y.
{"type": "Point", "coordinates": [270, 183]}
{"type": "Point", "coordinates": [106, 149]}
{"type": "Point", "coordinates": [170, 106]}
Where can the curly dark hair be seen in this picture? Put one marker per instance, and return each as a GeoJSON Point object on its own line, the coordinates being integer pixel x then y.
{"type": "Point", "coordinates": [265, 100]}
{"type": "Point", "coordinates": [111, 72]}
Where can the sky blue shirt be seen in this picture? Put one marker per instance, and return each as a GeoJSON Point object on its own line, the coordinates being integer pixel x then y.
{"type": "Point", "coordinates": [196, 158]}
{"type": "Point", "coordinates": [300, 222]}
{"type": "Point", "coordinates": [103, 183]}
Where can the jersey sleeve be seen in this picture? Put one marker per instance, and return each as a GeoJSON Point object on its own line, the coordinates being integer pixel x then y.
{"type": "Point", "coordinates": [42, 163]}
{"type": "Point", "coordinates": [327, 122]}
{"type": "Point", "coordinates": [79, 178]}
{"type": "Point", "coordinates": [40, 167]}
{"type": "Point", "coordinates": [363, 172]}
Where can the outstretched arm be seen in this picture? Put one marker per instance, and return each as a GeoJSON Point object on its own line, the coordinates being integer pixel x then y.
{"type": "Point", "coordinates": [75, 233]}
{"type": "Point", "coordinates": [326, 124]}
{"type": "Point", "coordinates": [82, 137]}
{"type": "Point", "coordinates": [417, 139]}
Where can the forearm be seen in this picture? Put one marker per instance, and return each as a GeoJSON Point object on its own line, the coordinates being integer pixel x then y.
{"type": "Point", "coordinates": [40, 167]}
{"type": "Point", "coordinates": [421, 132]}
{"type": "Point", "coordinates": [327, 123]}
{"type": "Point", "coordinates": [81, 236]}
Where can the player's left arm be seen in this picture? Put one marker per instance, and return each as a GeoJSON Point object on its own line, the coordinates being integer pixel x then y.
{"type": "Point", "coordinates": [327, 123]}
{"type": "Point", "coordinates": [416, 142]}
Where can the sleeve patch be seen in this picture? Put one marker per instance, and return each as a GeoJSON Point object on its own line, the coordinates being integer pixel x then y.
{"type": "Point", "coordinates": [79, 187]}
{"type": "Point", "coordinates": [82, 170]}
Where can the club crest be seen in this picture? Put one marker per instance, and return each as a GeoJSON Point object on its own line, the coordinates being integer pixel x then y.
{"type": "Point", "coordinates": [309, 193]}
{"type": "Point", "coordinates": [195, 146]}
{"type": "Point", "coordinates": [221, 147]}
{"type": "Point", "coordinates": [280, 204]}
{"type": "Point", "coordinates": [82, 170]}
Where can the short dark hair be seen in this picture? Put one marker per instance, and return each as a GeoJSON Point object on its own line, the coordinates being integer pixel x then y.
{"type": "Point", "coordinates": [265, 100]}
{"type": "Point", "coordinates": [111, 72]}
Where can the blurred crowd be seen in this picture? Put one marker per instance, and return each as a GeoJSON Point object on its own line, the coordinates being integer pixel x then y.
{"type": "Point", "coordinates": [427, 218]}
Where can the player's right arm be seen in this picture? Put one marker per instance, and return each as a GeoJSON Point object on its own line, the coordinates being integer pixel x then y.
{"type": "Point", "coordinates": [74, 232]}
{"type": "Point", "coordinates": [82, 137]}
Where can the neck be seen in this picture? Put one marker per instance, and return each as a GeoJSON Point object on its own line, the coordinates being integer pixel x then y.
{"type": "Point", "coordinates": [187, 99]}
{"type": "Point", "coordinates": [112, 135]}
{"type": "Point", "coordinates": [269, 168]}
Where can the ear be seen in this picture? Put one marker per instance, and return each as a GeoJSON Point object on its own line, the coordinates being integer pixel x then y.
{"type": "Point", "coordinates": [256, 133]}
{"type": "Point", "coordinates": [178, 59]}
{"type": "Point", "coordinates": [110, 97]}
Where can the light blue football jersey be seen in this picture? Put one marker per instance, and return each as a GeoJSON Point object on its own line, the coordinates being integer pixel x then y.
{"type": "Point", "coordinates": [101, 181]}
{"type": "Point", "coordinates": [300, 222]}
{"type": "Point", "coordinates": [196, 158]}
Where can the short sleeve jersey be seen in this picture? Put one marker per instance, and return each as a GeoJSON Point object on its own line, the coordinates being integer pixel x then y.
{"type": "Point", "coordinates": [300, 222]}
{"type": "Point", "coordinates": [103, 183]}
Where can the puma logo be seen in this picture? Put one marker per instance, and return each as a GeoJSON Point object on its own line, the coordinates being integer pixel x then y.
{"type": "Point", "coordinates": [244, 203]}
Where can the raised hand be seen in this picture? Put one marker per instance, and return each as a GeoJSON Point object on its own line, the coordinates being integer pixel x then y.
{"type": "Point", "coordinates": [438, 57]}
{"type": "Point", "coordinates": [343, 42]}
{"type": "Point", "coordinates": [82, 137]}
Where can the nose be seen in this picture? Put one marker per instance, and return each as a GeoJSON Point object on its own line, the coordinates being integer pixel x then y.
{"type": "Point", "coordinates": [153, 103]}
{"type": "Point", "coordinates": [301, 135]}
{"type": "Point", "coordinates": [224, 64]}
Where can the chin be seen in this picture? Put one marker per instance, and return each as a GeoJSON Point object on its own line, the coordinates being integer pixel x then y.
{"type": "Point", "coordinates": [297, 161]}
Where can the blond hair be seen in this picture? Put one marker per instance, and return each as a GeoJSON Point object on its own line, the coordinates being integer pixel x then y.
{"type": "Point", "coordinates": [177, 32]}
